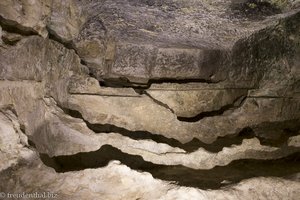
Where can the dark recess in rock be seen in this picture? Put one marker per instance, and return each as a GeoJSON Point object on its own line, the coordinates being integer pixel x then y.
{"type": "Point", "coordinates": [285, 130]}
{"type": "Point", "coordinates": [254, 9]}
{"type": "Point", "coordinates": [205, 179]}
{"type": "Point", "coordinates": [13, 27]}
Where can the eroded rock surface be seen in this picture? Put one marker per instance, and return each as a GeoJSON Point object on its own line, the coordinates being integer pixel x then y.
{"type": "Point", "coordinates": [134, 99]}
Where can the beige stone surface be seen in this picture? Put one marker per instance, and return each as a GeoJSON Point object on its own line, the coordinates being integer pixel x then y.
{"type": "Point", "coordinates": [66, 19]}
{"type": "Point", "coordinates": [190, 103]}
{"type": "Point", "coordinates": [173, 89]}
{"type": "Point", "coordinates": [62, 18]}
{"type": "Point", "coordinates": [143, 114]}
{"type": "Point", "coordinates": [116, 181]}
{"type": "Point", "coordinates": [26, 15]}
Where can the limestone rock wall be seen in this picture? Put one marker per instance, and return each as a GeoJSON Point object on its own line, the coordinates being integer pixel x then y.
{"type": "Point", "coordinates": [150, 99]}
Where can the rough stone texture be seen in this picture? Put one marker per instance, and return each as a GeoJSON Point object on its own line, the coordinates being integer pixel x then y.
{"type": "Point", "coordinates": [12, 140]}
{"type": "Point", "coordinates": [189, 102]}
{"type": "Point", "coordinates": [62, 18]}
{"type": "Point", "coordinates": [174, 90]}
{"type": "Point", "coordinates": [143, 114]}
{"type": "Point", "coordinates": [28, 16]}
{"type": "Point", "coordinates": [177, 40]}
{"type": "Point", "coordinates": [65, 20]}
{"type": "Point", "coordinates": [137, 185]}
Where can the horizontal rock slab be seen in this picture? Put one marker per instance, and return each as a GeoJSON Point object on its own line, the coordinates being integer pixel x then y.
{"type": "Point", "coordinates": [137, 184]}
{"type": "Point", "coordinates": [91, 86]}
{"type": "Point", "coordinates": [191, 102]}
{"type": "Point", "coordinates": [179, 40]}
{"type": "Point", "coordinates": [61, 134]}
{"type": "Point", "coordinates": [62, 137]}
{"type": "Point", "coordinates": [142, 114]}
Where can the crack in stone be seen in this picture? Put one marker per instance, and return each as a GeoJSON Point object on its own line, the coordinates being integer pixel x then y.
{"type": "Point", "coordinates": [159, 102]}
{"type": "Point", "coordinates": [193, 145]}
{"type": "Point", "coordinates": [104, 95]}
{"type": "Point", "coordinates": [140, 90]}
{"type": "Point", "coordinates": [123, 82]}
{"type": "Point", "coordinates": [14, 27]}
{"type": "Point", "coordinates": [240, 100]}
{"type": "Point", "coordinates": [67, 44]}
{"type": "Point", "coordinates": [214, 178]}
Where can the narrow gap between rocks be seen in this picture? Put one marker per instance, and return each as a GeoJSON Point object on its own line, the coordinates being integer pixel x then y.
{"type": "Point", "coordinates": [213, 113]}
{"type": "Point", "coordinates": [14, 27]}
{"type": "Point", "coordinates": [140, 87]}
{"type": "Point", "coordinates": [195, 144]}
{"type": "Point", "coordinates": [67, 44]}
{"type": "Point", "coordinates": [213, 178]}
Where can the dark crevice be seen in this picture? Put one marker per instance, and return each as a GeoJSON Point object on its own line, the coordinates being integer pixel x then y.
{"type": "Point", "coordinates": [205, 179]}
{"type": "Point", "coordinates": [221, 111]}
{"type": "Point", "coordinates": [84, 63]}
{"type": "Point", "coordinates": [10, 42]}
{"type": "Point", "coordinates": [14, 27]}
{"type": "Point", "coordinates": [31, 144]}
{"type": "Point", "coordinates": [254, 9]}
{"type": "Point", "coordinates": [179, 81]}
{"type": "Point", "coordinates": [9, 107]}
{"type": "Point", "coordinates": [67, 44]}
{"type": "Point", "coordinates": [141, 89]}
{"type": "Point", "coordinates": [136, 135]}
{"type": "Point", "coordinates": [277, 133]}
{"type": "Point", "coordinates": [23, 128]}
{"type": "Point", "coordinates": [124, 82]}
{"type": "Point", "coordinates": [195, 144]}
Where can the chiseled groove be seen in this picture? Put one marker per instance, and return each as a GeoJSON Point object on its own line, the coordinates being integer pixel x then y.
{"type": "Point", "coordinates": [104, 95]}
{"type": "Point", "coordinates": [205, 179]}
